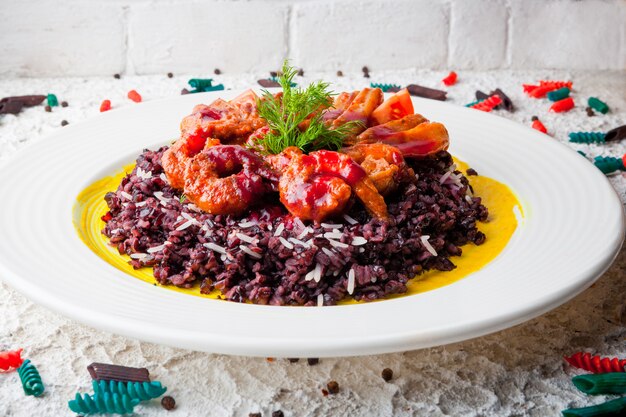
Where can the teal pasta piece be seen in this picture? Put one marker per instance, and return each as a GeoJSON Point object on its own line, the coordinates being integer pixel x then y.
{"type": "Point", "coordinates": [559, 94]}
{"type": "Point", "coordinates": [201, 83]}
{"type": "Point", "coordinates": [609, 164]}
{"type": "Point", "coordinates": [218, 87]}
{"type": "Point", "coordinates": [386, 87]}
{"type": "Point", "coordinates": [52, 100]}
{"type": "Point", "coordinates": [142, 391]}
{"type": "Point", "coordinates": [587, 137]}
{"type": "Point", "coordinates": [608, 383]}
{"type": "Point", "coordinates": [598, 105]}
{"type": "Point", "coordinates": [31, 380]}
{"type": "Point", "coordinates": [609, 408]}
{"type": "Point", "coordinates": [102, 403]}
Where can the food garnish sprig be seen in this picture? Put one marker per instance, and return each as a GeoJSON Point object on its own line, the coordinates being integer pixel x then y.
{"type": "Point", "coordinates": [295, 118]}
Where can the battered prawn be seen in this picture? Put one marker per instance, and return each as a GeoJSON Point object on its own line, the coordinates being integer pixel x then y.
{"type": "Point", "coordinates": [360, 109]}
{"type": "Point", "coordinates": [282, 160]}
{"type": "Point", "coordinates": [382, 163]}
{"type": "Point", "coordinates": [227, 179]}
{"type": "Point", "coordinates": [340, 104]}
{"type": "Point", "coordinates": [413, 135]}
{"type": "Point", "coordinates": [211, 125]}
{"type": "Point", "coordinates": [319, 185]}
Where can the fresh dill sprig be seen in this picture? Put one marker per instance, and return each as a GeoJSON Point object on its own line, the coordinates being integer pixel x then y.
{"type": "Point", "coordinates": [285, 114]}
{"type": "Point", "coordinates": [182, 198]}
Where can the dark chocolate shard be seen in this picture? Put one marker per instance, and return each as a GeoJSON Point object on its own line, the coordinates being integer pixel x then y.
{"type": "Point", "coordinates": [27, 101]}
{"type": "Point", "coordinates": [431, 93]}
{"type": "Point", "coordinates": [481, 96]}
{"type": "Point", "coordinates": [11, 107]}
{"type": "Point", "coordinates": [618, 133]}
{"type": "Point", "coordinates": [109, 372]}
{"type": "Point", "coordinates": [268, 83]}
{"type": "Point", "coordinates": [393, 89]}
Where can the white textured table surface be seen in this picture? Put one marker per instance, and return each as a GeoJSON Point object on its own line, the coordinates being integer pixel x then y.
{"type": "Point", "coordinates": [511, 373]}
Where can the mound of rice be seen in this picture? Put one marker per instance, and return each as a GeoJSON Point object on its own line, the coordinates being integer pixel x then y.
{"type": "Point", "coordinates": [270, 257]}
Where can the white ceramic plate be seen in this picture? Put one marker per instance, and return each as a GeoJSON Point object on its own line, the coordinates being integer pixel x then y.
{"type": "Point", "coordinates": [572, 231]}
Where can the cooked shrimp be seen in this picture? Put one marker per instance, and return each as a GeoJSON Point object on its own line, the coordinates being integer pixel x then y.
{"type": "Point", "coordinates": [381, 162]}
{"type": "Point", "coordinates": [280, 161]}
{"type": "Point", "coordinates": [319, 185]}
{"type": "Point", "coordinates": [414, 135]}
{"type": "Point", "coordinates": [360, 109]}
{"type": "Point", "coordinates": [227, 179]}
{"type": "Point", "coordinates": [230, 122]}
{"type": "Point", "coordinates": [177, 157]}
{"type": "Point", "coordinates": [340, 104]}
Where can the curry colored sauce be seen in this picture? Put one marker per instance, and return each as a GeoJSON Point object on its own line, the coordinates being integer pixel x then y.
{"type": "Point", "coordinates": [497, 197]}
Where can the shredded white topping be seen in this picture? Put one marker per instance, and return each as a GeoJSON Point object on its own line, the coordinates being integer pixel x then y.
{"type": "Point", "coordinates": [140, 203]}
{"type": "Point", "coordinates": [185, 225]}
{"type": "Point", "coordinates": [336, 244]}
{"type": "Point", "coordinates": [126, 195]}
{"type": "Point", "coordinates": [139, 256]}
{"type": "Point", "coordinates": [468, 198]}
{"type": "Point", "coordinates": [335, 234]}
{"type": "Point", "coordinates": [250, 252]}
{"type": "Point", "coordinates": [159, 195]}
{"type": "Point", "coordinates": [246, 238]}
{"type": "Point", "coordinates": [164, 178]}
{"type": "Point", "coordinates": [444, 177]}
{"type": "Point", "coordinates": [320, 300]}
{"type": "Point", "coordinates": [298, 242]}
{"type": "Point", "coordinates": [350, 219]}
{"type": "Point", "coordinates": [328, 252]}
{"type": "Point", "coordinates": [279, 229]}
{"type": "Point", "coordinates": [351, 281]}
{"type": "Point", "coordinates": [427, 245]}
{"type": "Point", "coordinates": [143, 174]}
{"type": "Point", "coordinates": [331, 225]}
{"type": "Point", "coordinates": [285, 242]}
{"type": "Point", "coordinates": [305, 232]}
{"type": "Point", "coordinates": [215, 248]}
{"type": "Point", "coordinates": [245, 225]}
{"type": "Point", "coordinates": [317, 272]}
{"type": "Point", "coordinates": [358, 241]}
{"type": "Point", "coordinates": [193, 207]}
{"type": "Point", "coordinates": [189, 217]}
{"type": "Point", "coordinates": [310, 275]}
{"type": "Point", "coordinates": [155, 249]}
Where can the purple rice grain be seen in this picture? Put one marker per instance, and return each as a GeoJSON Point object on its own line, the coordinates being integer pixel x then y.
{"type": "Point", "coordinates": [154, 227]}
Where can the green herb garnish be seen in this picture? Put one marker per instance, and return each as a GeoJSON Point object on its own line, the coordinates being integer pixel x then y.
{"type": "Point", "coordinates": [182, 198]}
{"type": "Point", "coordinates": [285, 114]}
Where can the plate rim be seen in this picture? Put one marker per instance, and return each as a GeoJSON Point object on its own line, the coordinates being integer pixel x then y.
{"type": "Point", "coordinates": [237, 345]}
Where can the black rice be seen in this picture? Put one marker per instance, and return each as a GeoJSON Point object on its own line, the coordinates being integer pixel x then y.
{"type": "Point", "coordinates": [269, 257]}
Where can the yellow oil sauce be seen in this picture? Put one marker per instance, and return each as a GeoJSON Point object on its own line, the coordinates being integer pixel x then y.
{"type": "Point", "coordinates": [498, 229]}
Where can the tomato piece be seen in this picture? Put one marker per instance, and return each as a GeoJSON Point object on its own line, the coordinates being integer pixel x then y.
{"type": "Point", "coordinates": [394, 108]}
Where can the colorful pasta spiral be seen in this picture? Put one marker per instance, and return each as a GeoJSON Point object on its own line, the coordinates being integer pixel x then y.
{"type": "Point", "coordinates": [555, 85]}
{"type": "Point", "coordinates": [608, 165]}
{"type": "Point", "coordinates": [586, 137]}
{"type": "Point", "coordinates": [142, 391]}
{"type": "Point", "coordinates": [386, 87]}
{"type": "Point", "coordinates": [11, 360]}
{"type": "Point", "coordinates": [596, 364]}
{"type": "Point", "coordinates": [102, 403]}
{"type": "Point", "coordinates": [31, 380]}
{"type": "Point", "coordinates": [595, 384]}
{"type": "Point", "coordinates": [488, 104]}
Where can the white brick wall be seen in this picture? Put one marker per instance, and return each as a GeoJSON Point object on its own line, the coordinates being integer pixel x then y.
{"type": "Point", "coordinates": [97, 37]}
